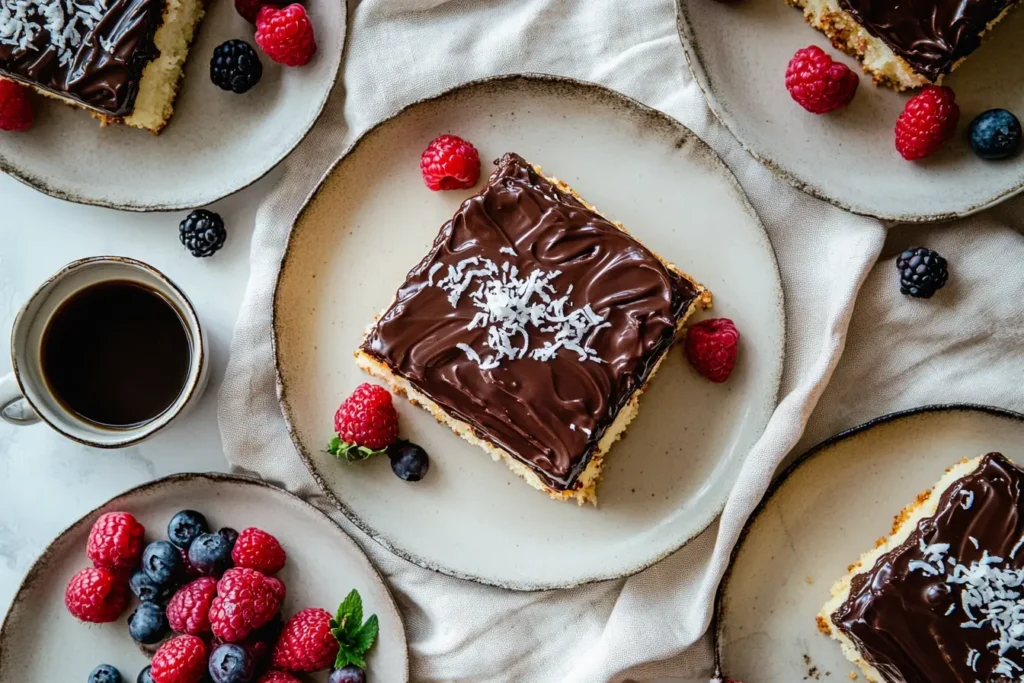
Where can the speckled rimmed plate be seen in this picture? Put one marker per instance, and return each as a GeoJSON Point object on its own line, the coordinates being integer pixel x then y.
{"type": "Point", "coordinates": [738, 54]}
{"type": "Point", "coordinates": [819, 516]}
{"type": "Point", "coordinates": [41, 641]}
{"type": "Point", "coordinates": [372, 219]}
{"type": "Point", "coordinates": [216, 143]}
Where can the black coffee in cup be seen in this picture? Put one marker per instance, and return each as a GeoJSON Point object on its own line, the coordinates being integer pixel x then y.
{"type": "Point", "coordinates": [116, 353]}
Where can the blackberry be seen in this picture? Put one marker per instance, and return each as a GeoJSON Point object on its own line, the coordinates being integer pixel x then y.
{"type": "Point", "coordinates": [202, 232]}
{"type": "Point", "coordinates": [235, 66]}
{"type": "Point", "coordinates": [922, 272]}
{"type": "Point", "coordinates": [995, 134]}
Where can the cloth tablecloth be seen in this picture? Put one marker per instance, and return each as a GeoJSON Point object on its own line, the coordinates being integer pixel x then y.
{"type": "Point", "coordinates": [651, 624]}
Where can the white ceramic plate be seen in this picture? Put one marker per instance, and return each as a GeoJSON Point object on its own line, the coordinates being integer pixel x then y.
{"type": "Point", "coordinates": [216, 143]}
{"type": "Point", "coordinates": [324, 564]}
{"type": "Point", "coordinates": [738, 53]}
{"type": "Point", "coordinates": [819, 517]}
{"type": "Point", "coordinates": [372, 219]}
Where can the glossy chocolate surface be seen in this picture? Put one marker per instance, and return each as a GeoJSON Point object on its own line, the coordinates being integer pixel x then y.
{"type": "Point", "coordinates": [550, 415]}
{"type": "Point", "coordinates": [98, 66]}
{"type": "Point", "coordinates": [931, 35]}
{"type": "Point", "coordinates": [900, 615]}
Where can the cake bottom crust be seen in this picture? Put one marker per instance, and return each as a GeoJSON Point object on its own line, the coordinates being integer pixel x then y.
{"type": "Point", "coordinates": [846, 34]}
{"type": "Point", "coordinates": [903, 525]}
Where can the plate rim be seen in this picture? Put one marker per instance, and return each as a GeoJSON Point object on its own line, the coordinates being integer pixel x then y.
{"type": "Point", "coordinates": [532, 78]}
{"type": "Point", "coordinates": [42, 185]}
{"type": "Point", "coordinates": [695, 63]}
{"type": "Point", "coordinates": [31, 576]}
{"type": "Point", "coordinates": [819, 449]}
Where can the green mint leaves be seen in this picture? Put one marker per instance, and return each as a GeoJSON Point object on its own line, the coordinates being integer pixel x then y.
{"type": "Point", "coordinates": [349, 451]}
{"type": "Point", "coordinates": [355, 637]}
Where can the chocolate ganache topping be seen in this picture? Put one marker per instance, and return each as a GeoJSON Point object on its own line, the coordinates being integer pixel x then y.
{"type": "Point", "coordinates": [90, 51]}
{"type": "Point", "coordinates": [533, 319]}
{"type": "Point", "coordinates": [947, 606]}
{"type": "Point", "coordinates": [931, 35]}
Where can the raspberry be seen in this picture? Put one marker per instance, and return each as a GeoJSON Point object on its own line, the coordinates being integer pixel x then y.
{"type": "Point", "coordinates": [115, 541]}
{"type": "Point", "coordinates": [96, 595]}
{"type": "Point", "coordinates": [928, 120]}
{"type": "Point", "coordinates": [366, 423]}
{"type": "Point", "coordinates": [256, 549]}
{"type": "Point", "coordinates": [450, 163]}
{"type": "Point", "coordinates": [277, 677]}
{"type": "Point", "coordinates": [711, 348]}
{"type": "Point", "coordinates": [819, 84]}
{"type": "Point", "coordinates": [248, 9]}
{"type": "Point", "coordinates": [189, 609]}
{"type": "Point", "coordinates": [245, 601]}
{"type": "Point", "coordinates": [15, 106]}
{"type": "Point", "coordinates": [285, 34]}
{"type": "Point", "coordinates": [180, 660]}
{"type": "Point", "coordinates": [306, 644]}
{"type": "Point", "coordinates": [277, 586]}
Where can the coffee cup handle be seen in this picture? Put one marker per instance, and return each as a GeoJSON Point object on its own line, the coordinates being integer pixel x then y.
{"type": "Point", "coordinates": [10, 398]}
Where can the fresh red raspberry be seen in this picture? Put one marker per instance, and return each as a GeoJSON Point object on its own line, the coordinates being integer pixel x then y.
{"type": "Point", "coordinates": [115, 541]}
{"type": "Point", "coordinates": [96, 595]}
{"type": "Point", "coordinates": [181, 659]}
{"type": "Point", "coordinates": [256, 549]}
{"type": "Point", "coordinates": [286, 34]}
{"type": "Point", "coordinates": [711, 347]}
{"type": "Point", "coordinates": [260, 643]}
{"type": "Point", "coordinates": [277, 677]}
{"type": "Point", "coordinates": [245, 601]}
{"type": "Point", "coordinates": [450, 163]}
{"type": "Point", "coordinates": [367, 418]}
{"type": "Point", "coordinates": [277, 586]}
{"type": "Point", "coordinates": [928, 120]}
{"type": "Point", "coordinates": [306, 643]}
{"type": "Point", "coordinates": [248, 9]}
{"type": "Point", "coordinates": [819, 84]}
{"type": "Point", "coordinates": [189, 609]}
{"type": "Point", "coordinates": [15, 106]}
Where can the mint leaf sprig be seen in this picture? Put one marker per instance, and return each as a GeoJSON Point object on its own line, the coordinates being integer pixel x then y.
{"type": "Point", "coordinates": [350, 451]}
{"type": "Point", "coordinates": [353, 635]}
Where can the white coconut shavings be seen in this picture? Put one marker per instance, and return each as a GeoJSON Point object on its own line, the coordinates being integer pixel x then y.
{"type": "Point", "coordinates": [586, 431]}
{"type": "Point", "coordinates": [511, 307]}
{"type": "Point", "coordinates": [968, 500]}
{"type": "Point", "coordinates": [508, 250]}
{"type": "Point", "coordinates": [65, 22]}
{"type": "Point", "coordinates": [973, 541]}
{"type": "Point", "coordinates": [1013, 551]}
{"type": "Point", "coordinates": [991, 597]}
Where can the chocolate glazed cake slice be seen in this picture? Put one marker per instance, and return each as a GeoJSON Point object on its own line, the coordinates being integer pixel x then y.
{"type": "Point", "coordinates": [531, 328]}
{"type": "Point", "coordinates": [120, 59]}
{"type": "Point", "coordinates": [909, 43]}
{"type": "Point", "coordinates": [941, 600]}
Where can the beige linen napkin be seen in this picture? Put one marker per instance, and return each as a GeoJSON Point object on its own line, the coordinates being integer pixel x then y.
{"type": "Point", "coordinates": [651, 624]}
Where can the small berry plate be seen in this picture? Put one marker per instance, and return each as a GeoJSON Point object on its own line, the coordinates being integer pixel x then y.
{"type": "Point", "coordinates": [830, 506]}
{"type": "Point", "coordinates": [217, 142]}
{"type": "Point", "coordinates": [41, 641]}
{"type": "Point", "coordinates": [373, 218]}
{"type": "Point", "coordinates": [738, 53]}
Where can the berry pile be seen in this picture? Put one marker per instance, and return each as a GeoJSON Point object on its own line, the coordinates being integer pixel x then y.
{"type": "Point", "coordinates": [210, 604]}
{"type": "Point", "coordinates": [366, 424]}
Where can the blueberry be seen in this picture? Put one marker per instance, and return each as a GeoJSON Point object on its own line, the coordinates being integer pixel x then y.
{"type": "Point", "coordinates": [145, 676]}
{"type": "Point", "coordinates": [104, 673]}
{"type": "Point", "coordinates": [185, 526]}
{"type": "Point", "coordinates": [408, 461]}
{"type": "Point", "coordinates": [146, 589]}
{"type": "Point", "coordinates": [230, 534]}
{"type": "Point", "coordinates": [162, 562]}
{"type": "Point", "coordinates": [348, 674]}
{"type": "Point", "coordinates": [995, 134]}
{"type": "Point", "coordinates": [230, 663]}
{"type": "Point", "coordinates": [210, 554]}
{"type": "Point", "coordinates": [148, 623]}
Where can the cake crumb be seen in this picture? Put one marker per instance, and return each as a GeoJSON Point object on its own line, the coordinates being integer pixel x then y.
{"type": "Point", "coordinates": [809, 580]}
{"type": "Point", "coordinates": [853, 676]}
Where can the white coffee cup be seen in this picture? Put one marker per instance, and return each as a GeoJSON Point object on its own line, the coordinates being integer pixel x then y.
{"type": "Point", "coordinates": [25, 396]}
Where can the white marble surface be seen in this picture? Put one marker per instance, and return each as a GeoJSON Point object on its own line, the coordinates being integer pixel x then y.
{"type": "Point", "coordinates": [47, 482]}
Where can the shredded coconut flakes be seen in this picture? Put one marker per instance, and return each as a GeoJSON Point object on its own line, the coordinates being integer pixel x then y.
{"type": "Point", "coordinates": [512, 306]}
{"type": "Point", "coordinates": [66, 23]}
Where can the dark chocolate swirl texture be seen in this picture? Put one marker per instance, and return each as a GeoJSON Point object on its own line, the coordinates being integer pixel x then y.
{"type": "Point", "coordinates": [931, 35]}
{"type": "Point", "coordinates": [549, 415]}
{"type": "Point", "coordinates": [909, 621]}
{"type": "Point", "coordinates": [102, 71]}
